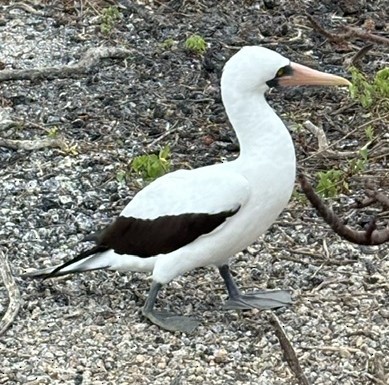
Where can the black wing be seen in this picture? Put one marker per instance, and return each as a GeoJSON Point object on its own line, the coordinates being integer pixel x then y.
{"type": "Point", "coordinates": [148, 237]}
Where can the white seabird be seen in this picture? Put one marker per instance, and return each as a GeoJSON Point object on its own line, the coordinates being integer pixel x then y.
{"type": "Point", "coordinates": [193, 218]}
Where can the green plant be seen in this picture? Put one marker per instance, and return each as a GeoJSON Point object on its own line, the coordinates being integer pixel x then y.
{"type": "Point", "coordinates": [52, 132]}
{"type": "Point", "coordinates": [297, 127]}
{"type": "Point", "coordinates": [121, 176]}
{"type": "Point", "coordinates": [381, 82]}
{"type": "Point", "coordinates": [152, 166]}
{"type": "Point", "coordinates": [109, 17]}
{"type": "Point", "coordinates": [331, 183]}
{"type": "Point", "coordinates": [168, 43]}
{"type": "Point", "coordinates": [299, 197]}
{"type": "Point", "coordinates": [370, 93]}
{"type": "Point", "coordinates": [369, 132]}
{"type": "Point", "coordinates": [196, 43]}
{"type": "Point", "coordinates": [70, 149]}
{"type": "Point", "coordinates": [359, 164]}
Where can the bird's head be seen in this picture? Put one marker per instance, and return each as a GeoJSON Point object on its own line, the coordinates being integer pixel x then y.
{"type": "Point", "coordinates": [256, 69]}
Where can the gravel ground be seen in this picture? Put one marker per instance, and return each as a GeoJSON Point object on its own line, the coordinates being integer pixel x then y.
{"type": "Point", "coordinates": [87, 329]}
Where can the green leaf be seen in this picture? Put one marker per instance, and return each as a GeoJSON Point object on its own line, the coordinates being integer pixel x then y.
{"type": "Point", "coordinates": [164, 153]}
{"type": "Point", "coordinates": [330, 183]}
{"type": "Point", "coordinates": [381, 82]}
{"type": "Point", "coordinates": [370, 93]}
{"type": "Point", "coordinates": [196, 44]}
{"type": "Point", "coordinates": [121, 176]}
{"type": "Point", "coordinates": [152, 166]}
{"type": "Point", "coordinates": [369, 132]}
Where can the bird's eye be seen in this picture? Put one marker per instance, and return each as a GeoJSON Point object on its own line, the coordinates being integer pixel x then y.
{"type": "Point", "coordinates": [280, 72]}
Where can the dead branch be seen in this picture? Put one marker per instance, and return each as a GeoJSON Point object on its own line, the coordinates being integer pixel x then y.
{"type": "Point", "coordinates": [25, 7]}
{"type": "Point", "coordinates": [342, 349]}
{"type": "Point", "coordinates": [383, 199]}
{"type": "Point", "coordinates": [31, 145]}
{"type": "Point", "coordinates": [378, 197]}
{"type": "Point", "coordinates": [349, 34]}
{"type": "Point", "coordinates": [90, 60]}
{"type": "Point", "coordinates": [360, 204]}
{"type": "Point", "coordinates": [378, 369]}
{"type": "Point", "coordinates": [375, 379]}
{"type": "Point", "coordinates": [363, 35]}
{"type": "Point", "coordinates": [360, 54]}
{"type": "Point", "coordinates": [289, 353]}
{"type": "Point", "coordinates": [319, 133]}
{"type": "Point", "coordinates": [371, 236]}
{"type": "Point", "coordinates": [13, 293]}
{"type": "Point", "coordinates": [164, 135]}
{"type": "Point", "coordinates": [317, 27]}
{"type": "Point", "coordinates": [7, 124]}
{"type": "Point", "coordinates": [324, 147]}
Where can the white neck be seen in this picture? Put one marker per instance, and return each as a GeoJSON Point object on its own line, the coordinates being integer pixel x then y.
{"type": "Point", "coordinates": [261, 133]}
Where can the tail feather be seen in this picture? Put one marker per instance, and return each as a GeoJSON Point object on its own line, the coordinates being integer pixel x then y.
{"type": "Point", "coordinates": [80, 263]}
{"type": "Point", "coordinates": [41, 273]}
{"type": "Point", "coordinates": [83, 256]}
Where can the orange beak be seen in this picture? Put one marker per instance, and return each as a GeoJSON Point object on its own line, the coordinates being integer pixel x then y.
{"type": "Point", "coordinates": [305, 76]}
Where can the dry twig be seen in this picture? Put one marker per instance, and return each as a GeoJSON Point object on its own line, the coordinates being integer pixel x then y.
{"type": "Point", "coordinates": [31, 145]}
{"type": "Point", "coordinates": [164, 135]}
{"type": "Point", "coordinates": [317, 27]}
{"type": "Point", "coordinates": [13, 293]}
{"type": "Point", "coordinates": [363, 35]}
{"type": "Point", "coordinates": [289, 352]}
{"type": "Point", "coordinates": [360, 54]}
{"type": "Point", "coordinates": [375, 379]}
{"type": "Point", "coordinates": [91, 59]}
{"type": "Point", "coordinates": [377, 196]}
{"type": "Point", "coordinates": [371, 236]}
{"type": "Point", "coordinates": [325, 148]}
{"type": "Point", "coordinates": [350, 33]}
{"type": "Point", "coordinates": [342, 349]}
{"type": "Point", "coordinates": [25, 7]}
{"type": "Point", "coordinates": [319, 133]}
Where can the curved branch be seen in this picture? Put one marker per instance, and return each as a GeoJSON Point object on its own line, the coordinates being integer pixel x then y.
{"type": "Point", "coordinates": [349, 34]}
{"type": "Point", "coordinates": [90, 60]}
{"type": "Point", "coordinates": [13, 293]}
{"type": "Point", "coordinates": [31, 145]}
{"type": "Point", "coordinates": [371, 236]}
{"type": "Point", "coordinates": [379, 197]}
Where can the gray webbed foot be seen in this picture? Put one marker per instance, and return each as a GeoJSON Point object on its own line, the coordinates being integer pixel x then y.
{"type": "Point", "coordinates": [260, 299]}
{"type": "Point", "coordinates": [165, 320]}
{"type": "Point", "coordinates": [271, 299]}
{"type": "Point", "coordinates": [172, 322]}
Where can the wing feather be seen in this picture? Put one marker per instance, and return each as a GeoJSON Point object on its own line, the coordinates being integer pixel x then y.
{"type": "Point", "coordinates": [168, 214]}
{"type": "Point", "coordinates": [208, 190]}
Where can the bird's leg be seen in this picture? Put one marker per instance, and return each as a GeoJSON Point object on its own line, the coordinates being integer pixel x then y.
{"type": "Point", "coordinates": [166, 320]}
{"type": "Point", "coordinates": [261, 299]}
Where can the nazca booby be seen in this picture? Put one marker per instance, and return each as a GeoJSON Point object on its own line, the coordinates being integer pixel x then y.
{"type": "Point", "coordinates": [193, 218]}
